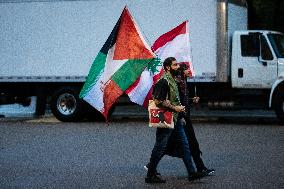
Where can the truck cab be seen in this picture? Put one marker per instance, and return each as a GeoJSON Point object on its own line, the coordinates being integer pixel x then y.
{"type": "Point", "coordinates": [258, 63]}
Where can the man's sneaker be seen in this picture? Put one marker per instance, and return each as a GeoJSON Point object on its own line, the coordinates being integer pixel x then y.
{"type": "Point", "coordinates": [196, 175]}
{"type": "Point", "coordinates": [146, 168]}
{"type": "Point", "coordinates": [208, 171]}
{"type": "Point", "coordinates": [154, 179]}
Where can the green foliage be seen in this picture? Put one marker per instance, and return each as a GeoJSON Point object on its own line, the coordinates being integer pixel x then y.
{"type": "Point", "coordinates": [266, 14]}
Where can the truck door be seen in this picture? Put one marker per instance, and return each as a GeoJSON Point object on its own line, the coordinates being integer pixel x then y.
{"type": "Point", "coordinates": [257, 64]}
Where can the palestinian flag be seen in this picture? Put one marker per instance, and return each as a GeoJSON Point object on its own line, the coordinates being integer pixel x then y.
{"type": "Point", "coordinates": [174, 43]}
{"type": "Point", "coordinates": [117, 66]}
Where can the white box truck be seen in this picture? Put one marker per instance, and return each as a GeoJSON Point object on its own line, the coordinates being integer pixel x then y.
{"type": "Point", "coordinates": [48, 46]}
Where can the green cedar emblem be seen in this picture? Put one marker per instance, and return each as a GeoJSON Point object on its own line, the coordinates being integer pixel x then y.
{"type": "Point", "coordinates": [152, 66]}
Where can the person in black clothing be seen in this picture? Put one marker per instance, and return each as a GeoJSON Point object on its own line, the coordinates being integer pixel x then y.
{"type": "Point", "coordinates": [166, 95]}
{"type": "Point", "coordinates": [184, 73]}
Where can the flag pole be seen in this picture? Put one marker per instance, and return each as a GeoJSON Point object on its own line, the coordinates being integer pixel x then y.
{"type": "Point", "coordinates": [194, 81]}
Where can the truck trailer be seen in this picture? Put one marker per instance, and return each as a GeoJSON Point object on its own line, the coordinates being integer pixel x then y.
{"type": "Point", "coordinates": [48, 47]}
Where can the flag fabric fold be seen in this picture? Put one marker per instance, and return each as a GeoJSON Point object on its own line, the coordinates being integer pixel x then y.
{"type": "Point", "coordinates": [174, 43]}
{"type": "Point", "coordinates": [117, 66]}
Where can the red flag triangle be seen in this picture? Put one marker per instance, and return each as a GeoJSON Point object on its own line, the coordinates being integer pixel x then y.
{"type": "Point", "coordinates": [130, 44]}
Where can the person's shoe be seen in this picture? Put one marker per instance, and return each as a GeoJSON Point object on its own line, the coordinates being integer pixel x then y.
{"type": "Point", "coordinates": [154, 179]}
{"type": "Point", "coordinates": [208, 171]}
{"type": "Point", "coordinates": [196, 175]}
{"type": "Point", "coordinates": [146, 168]}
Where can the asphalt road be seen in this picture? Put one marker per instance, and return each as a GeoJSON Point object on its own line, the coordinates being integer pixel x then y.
{"type": "Point", "coordinates": [45, 153]}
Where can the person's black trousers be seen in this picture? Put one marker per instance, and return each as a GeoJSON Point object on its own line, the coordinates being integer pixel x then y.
{"type": "Point", "coordinates": [194, 145]}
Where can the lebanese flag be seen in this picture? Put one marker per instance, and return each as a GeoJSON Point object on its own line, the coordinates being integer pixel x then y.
{"type": "Point", "coordinates": [117, 66]}
{"type": "Point", "coordinates": [174, 43]}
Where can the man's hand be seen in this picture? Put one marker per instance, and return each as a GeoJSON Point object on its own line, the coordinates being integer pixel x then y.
{"type": "Point", "coordinates": [195, 99]}
{"type": "Point", "coordinates": [179, 108]}
{"type": "Point", "coordinates": [167, 104]}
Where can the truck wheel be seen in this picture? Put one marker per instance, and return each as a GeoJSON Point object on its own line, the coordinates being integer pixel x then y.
{"type": "Point", "coordinates": [66, 105]}
{"type": "Point", "coordinates": [279, 108]}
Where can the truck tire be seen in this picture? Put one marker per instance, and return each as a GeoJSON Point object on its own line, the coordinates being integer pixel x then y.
{"type": "Point", "coordinates": [66, 105]}
{"type": "Point", "coordinates": [279, 108]}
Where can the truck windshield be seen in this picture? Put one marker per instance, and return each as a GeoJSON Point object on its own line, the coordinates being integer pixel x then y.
{"type": "Point", "coordinates": [277, 42]}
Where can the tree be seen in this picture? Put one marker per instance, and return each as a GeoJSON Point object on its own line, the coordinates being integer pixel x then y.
{"type": "Point", "coordinates": [266, 14]}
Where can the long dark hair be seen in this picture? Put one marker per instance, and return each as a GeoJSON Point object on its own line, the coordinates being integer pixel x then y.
{"type": "Point", "coordinates": [181, 69]}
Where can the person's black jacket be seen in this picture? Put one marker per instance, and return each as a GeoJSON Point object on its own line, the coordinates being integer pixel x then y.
{"type": "Point", "coordinates": [173, 148]}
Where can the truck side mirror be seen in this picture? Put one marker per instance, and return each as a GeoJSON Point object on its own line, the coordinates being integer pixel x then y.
{"type": "Point", "coordinates": [264, 63]}
{"type": "Point", "coordinates": [265, 52]}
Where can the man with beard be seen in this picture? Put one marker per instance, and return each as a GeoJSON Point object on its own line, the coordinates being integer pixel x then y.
{"type": "Point", "coordinates": [166, 95]}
